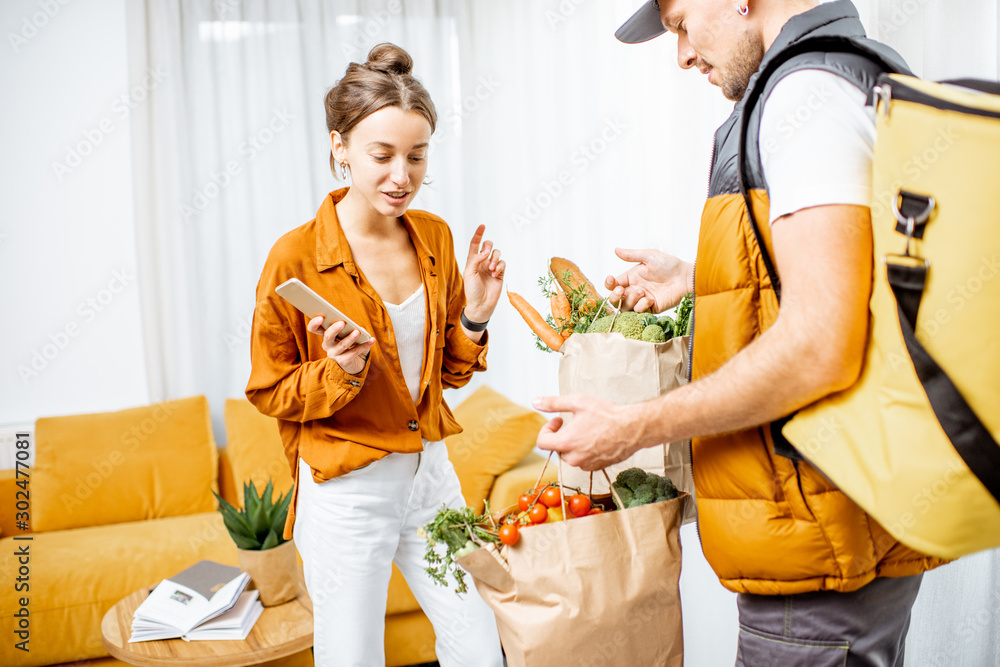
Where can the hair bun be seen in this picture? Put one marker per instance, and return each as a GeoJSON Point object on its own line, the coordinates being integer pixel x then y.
{"type": "Point", "coordinates": [390, 59]}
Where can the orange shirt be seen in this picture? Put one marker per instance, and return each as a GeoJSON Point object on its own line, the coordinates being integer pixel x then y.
{"type": "Point", "coordinates": [339, 422]}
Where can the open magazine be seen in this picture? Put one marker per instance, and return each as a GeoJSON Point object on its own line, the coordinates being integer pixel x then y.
{"type": "Point", "coordinates": [206, 601]}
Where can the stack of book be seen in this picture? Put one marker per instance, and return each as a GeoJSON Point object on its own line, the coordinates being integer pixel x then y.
{"type": "Point", "coordinates": [206, 601]}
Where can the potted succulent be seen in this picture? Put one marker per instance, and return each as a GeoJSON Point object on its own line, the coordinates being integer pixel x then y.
{"type": "Point", "coordinates": [264, 553]}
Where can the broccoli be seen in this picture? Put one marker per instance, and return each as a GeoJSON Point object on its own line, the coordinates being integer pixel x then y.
{"type": "Point", "coordinates": [629, 324]}
{"type": "Point", "coordinates": [600, 325]}
{"type": "Point", "coordinates": [625, 494]}
{"type": "Point", "coordinates": [637, 487]}
{"type": "Point", "coordinates": [631, 478]}
{"type": "Point", "coordinates": [653, 334]}
{"type": "Point", "coordinates": [648, 318]}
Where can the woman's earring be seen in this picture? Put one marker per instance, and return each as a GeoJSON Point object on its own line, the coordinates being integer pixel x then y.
{"type": "Point", "coordinates": [744, 10]}
{"type": "Point", "coordinates": [343, 170]}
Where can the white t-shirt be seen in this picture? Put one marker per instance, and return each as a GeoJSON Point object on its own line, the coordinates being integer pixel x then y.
{"type": "Point", "coordinates": [816, 139]}
{"type": "Point", "coordinates": [409, 326]}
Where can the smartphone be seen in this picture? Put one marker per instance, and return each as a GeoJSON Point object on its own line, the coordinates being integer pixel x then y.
{"type": "Point", "coordinates": [312, 305]}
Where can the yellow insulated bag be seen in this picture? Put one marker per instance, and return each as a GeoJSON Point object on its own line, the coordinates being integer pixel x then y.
{"type": "Point", "coordinates": [914, 441]}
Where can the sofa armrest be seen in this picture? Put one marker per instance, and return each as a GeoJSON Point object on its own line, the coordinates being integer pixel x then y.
{"type": "Point", "coordinates": [519, 479]}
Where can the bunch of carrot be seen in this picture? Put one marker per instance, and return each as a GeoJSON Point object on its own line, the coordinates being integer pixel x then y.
{"type": "Point", "coordinates": [569, 280]}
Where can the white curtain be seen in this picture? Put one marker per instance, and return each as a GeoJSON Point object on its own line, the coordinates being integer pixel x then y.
{"type": "Point", "coordinates": [561, 140]}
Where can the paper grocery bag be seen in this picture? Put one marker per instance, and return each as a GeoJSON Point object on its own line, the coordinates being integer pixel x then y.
{"type": "Point", "coordinates": [615, 368]}
{"type": "Point", "coordinates": [601, 590]}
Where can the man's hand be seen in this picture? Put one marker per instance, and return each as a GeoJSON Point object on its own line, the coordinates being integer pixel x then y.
{"type": "Point", "coordinates": [600, 434]}
{"type": "Point", "coordinates": [657, 283]}
{"type": "Point", "coordinates": [348, 355]}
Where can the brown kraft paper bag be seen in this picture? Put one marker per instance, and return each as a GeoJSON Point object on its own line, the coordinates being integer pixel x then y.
{"type": "Point", "coordinates": [615, 368]}
{"type": "Point", "coordinates": [598, 591]}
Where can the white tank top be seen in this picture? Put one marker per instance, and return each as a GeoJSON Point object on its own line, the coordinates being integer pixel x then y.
{"type": "Point", "coordinates": [409, 323]}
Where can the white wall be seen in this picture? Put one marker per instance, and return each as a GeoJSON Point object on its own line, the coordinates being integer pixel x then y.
{"type": "Point", "coordinates": [72, 340]}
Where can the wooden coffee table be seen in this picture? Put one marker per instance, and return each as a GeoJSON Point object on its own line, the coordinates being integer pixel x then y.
{"type": "Point", "coordinates": [279, 632]}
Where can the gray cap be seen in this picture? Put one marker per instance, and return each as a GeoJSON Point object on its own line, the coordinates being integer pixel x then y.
{"type": "Point", "coordinates": [643, 26]}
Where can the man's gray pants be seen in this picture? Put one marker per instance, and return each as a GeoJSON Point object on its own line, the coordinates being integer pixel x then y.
{"type": "Point", "coordinates": [864, 628]}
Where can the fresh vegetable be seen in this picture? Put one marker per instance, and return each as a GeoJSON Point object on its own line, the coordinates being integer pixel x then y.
{"type": "Point", "coordinates": [551, 496]}
{"type": "Point", "coordinates": [562, 312]}
{"type": "Point", "coordinates": [581, 307]}
{"type": "Point", "coordinates": [571, 278]}
{"type": "Point", "coordinates": [637, 487]}
{"type": "Point", "coordinates": [628, 324]}
{"type": "Point", "coordinates": [578, 504]}
{"type": "Point", "coordinates": [538, 513]}
{"type": "Point", "coordinates": [455, 530]}
{"type": "Point", "coordinates": [554, 514]}
{"type": "Point", "coordinates": [469, 547]}
{"type": "Point", "coordinates": [653, 333]}
{"type": "Point", "coordinates": [542, 329]}
{"type": "Point", "coordinates": [509, 534]}
{"type": "Point", "coordinates": [683, 315]}
{"type": "Point", "coordinates": [524, 502]}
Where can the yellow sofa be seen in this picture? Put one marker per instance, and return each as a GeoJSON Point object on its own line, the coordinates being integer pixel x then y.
{"type": "Point", "coordinates": [121, 500]}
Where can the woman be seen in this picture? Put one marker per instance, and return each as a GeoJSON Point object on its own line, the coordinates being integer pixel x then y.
{"type": "Point", "coordinates": [363, 424]}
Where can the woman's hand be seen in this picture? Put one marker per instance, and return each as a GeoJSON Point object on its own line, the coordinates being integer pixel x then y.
{"type": "Point", "coordinates": [483, 277]}
{"type": "Point", "coordinates": [348, 355]}
{"type": "Point", "coordinates": [657, 283]}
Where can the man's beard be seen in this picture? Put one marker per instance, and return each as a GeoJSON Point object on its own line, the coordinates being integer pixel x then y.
{"type": "Point", "coordinates": [744, 65]}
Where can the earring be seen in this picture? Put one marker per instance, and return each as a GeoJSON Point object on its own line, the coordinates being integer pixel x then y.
{"type": "Point", "coordinates": [343, 170]}
{"type": "Point", "coordinates": [744, 10]}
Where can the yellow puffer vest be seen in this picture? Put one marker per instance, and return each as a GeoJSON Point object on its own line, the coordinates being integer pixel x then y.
{"type": "Point", "coordinates": [770, 524]}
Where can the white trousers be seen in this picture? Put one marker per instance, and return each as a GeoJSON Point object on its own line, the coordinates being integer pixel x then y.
{"type": "Point", "coordinates": [350, 529]}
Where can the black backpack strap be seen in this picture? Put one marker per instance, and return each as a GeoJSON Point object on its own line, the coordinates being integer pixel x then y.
{"type": "Point", "coordinates": [826, 44]}
{"type": "Point", "coordinates": [967, 434]}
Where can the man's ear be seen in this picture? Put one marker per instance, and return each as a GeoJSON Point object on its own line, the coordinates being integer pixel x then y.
{"type": "Point", "coordinates": [337, 146]}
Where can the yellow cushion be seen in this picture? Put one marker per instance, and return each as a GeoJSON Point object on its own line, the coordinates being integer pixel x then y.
{"type": "Point", "coordinates": [77, 575]}
{"type": "Point", "coordinates": [145, 463]}
{"type": "Point", "coordinates": [497, 435]}
{"type": "Point", "coordinates": [254, 448]}
{"type": "Point", "coordinates": [519, 479]}
{"type": "Point", "coordinates": [409, 639]}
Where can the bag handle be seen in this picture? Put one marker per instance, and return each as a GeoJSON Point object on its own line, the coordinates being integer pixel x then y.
{"type": "Point", "coordinates": [614, 494]}
{"type": "Point", "coordinates": [965, 431]}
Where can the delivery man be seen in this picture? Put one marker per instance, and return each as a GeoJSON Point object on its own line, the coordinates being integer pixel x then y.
{"type": "Point", "coordinates": [819, 581]}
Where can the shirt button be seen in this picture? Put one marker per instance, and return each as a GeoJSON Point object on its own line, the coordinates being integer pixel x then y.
{"type": "Point", "coordinates": [413, 426]}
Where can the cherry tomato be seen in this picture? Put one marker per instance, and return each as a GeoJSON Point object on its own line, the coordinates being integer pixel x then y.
{"type": "Point", "coordinates": [509, 534]}
{"type": "Point", "coordinates": [524, 501]}
{"type": "Point", "coordinates": [579, 504]}
{"type": "Point", "coordinates": [596, 510]}
{"type": "Point", "coordinates": [538, 514]}
{"type": "Point", "coordinates": [551, 496]}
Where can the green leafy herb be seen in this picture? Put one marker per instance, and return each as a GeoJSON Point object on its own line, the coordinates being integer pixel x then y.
{"type": "Point", "coordinates": [459, 532]}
